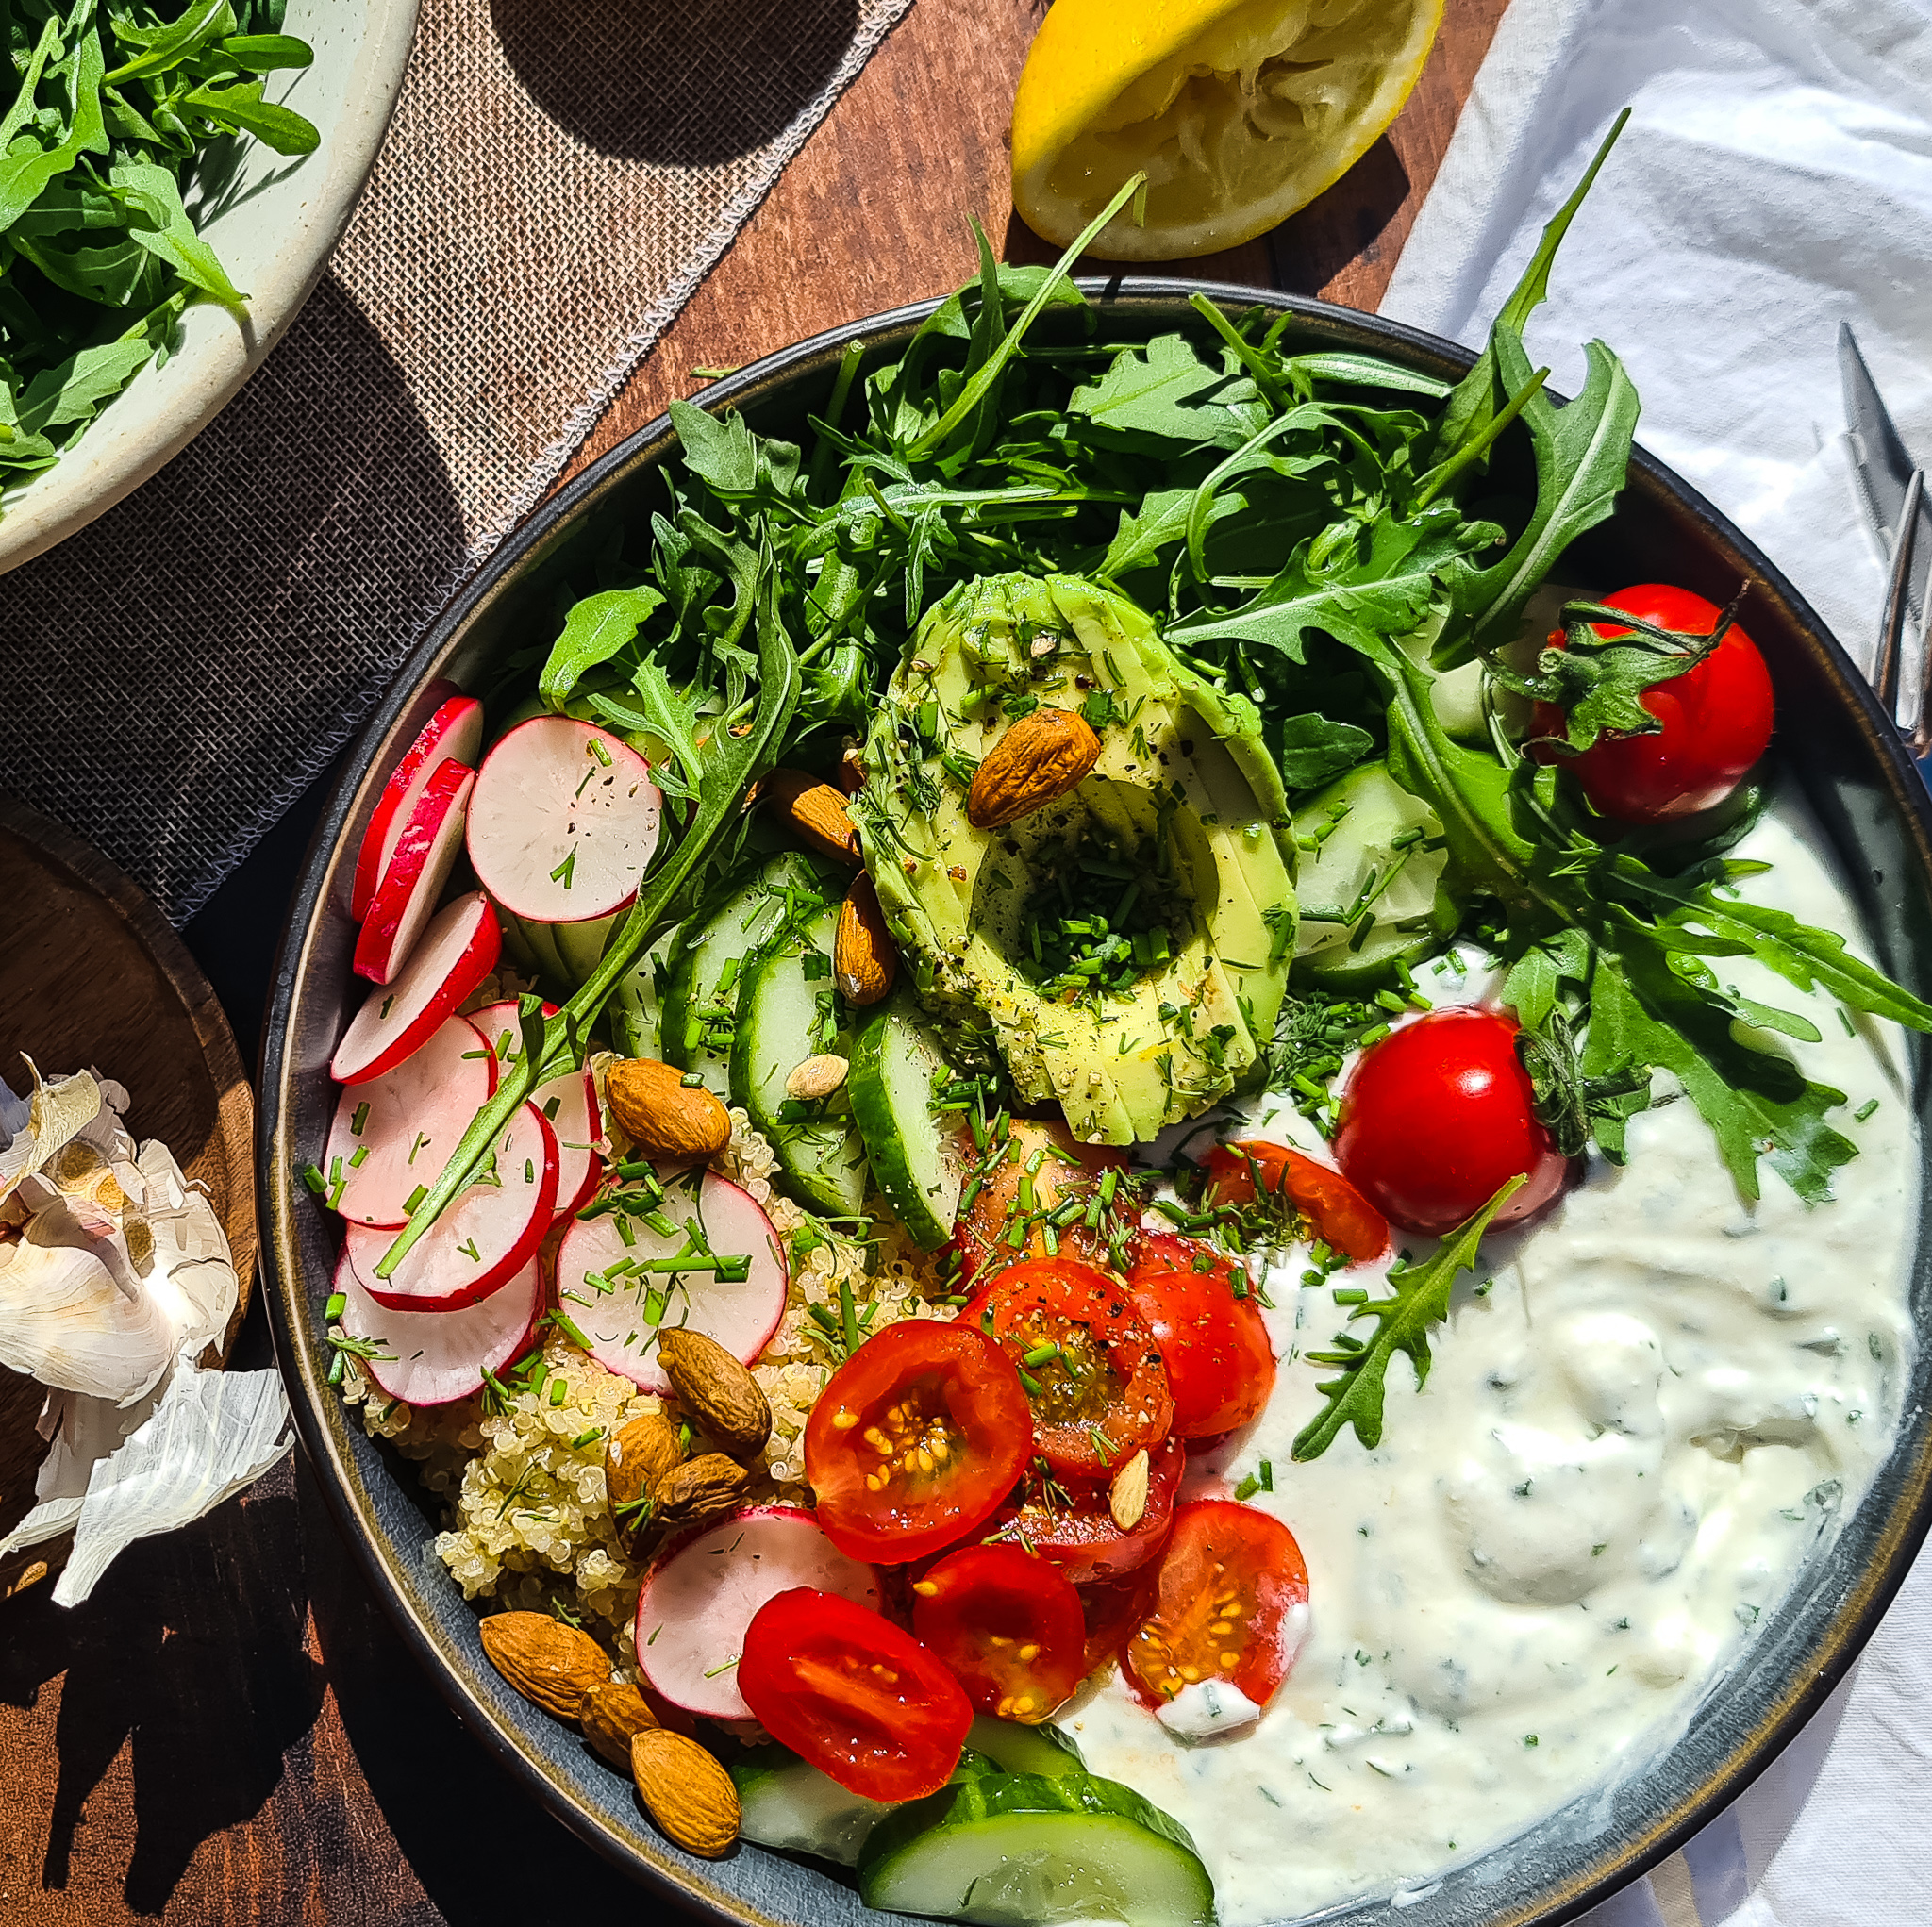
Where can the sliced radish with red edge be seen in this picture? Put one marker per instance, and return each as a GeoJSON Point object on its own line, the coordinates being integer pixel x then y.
{"type": "Point", "coordinates": [486, 1234]}
{"type": "Point", "coordinates": [569, 1101]}
{"type": "Point", "coordinates": [436, 1358]}
{"type": "Point", "coordinates": [454, 732]}
{"type": "Point", "coordinates": [706, 1587]}
{"type": "Point", "coordinates": [457, 951]}
{"type": "Point", "coordinates": [395, 1132]}
{"type": "Point", "coordinates": [609, 1291]}
{"type": "Point", "coordinates": [418, 867]}
{"type": "Point", "coordinates": [564, 821]}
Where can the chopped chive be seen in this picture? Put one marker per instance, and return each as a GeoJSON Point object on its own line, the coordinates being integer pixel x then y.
{"type": "Point", "coordinates": [338, 1303]}
{"type": "Point", "coordinates": [584, 1438]}
{"type": "Point", "coordinates": [312, 1177]}
{"type": "Point", "coordinates": [1866, 1110]}
{"type": "Point", "coordinates": [565, 870]}
{"type": "Point", "coordinates": [361, 1118]}
{"type": "Point", "coordinates": [559, 1391]}
{"type": "Point", "coordinates": [415, 1198]}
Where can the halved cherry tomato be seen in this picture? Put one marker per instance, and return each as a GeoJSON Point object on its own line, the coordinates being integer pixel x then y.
{"type": "Point", "coordinates": [1008, 1625]}
{"type": "Point", "coordinates": [1438, 1115]}
{"type": "Point", "coordinates": [1220, 1365]}
{"type": "Point", "coordinates": [1113, 1607]}
{"type": "Point", "coordinates": [1087, 1363]}
{"type": "Point", "coordinates": [1717, 720]}
{"type": "Point", "coordinates": [1010, 1196]}
{"type": "Point", "coordinates": [1070, 1523]}
{"type": "Point", "coordinates": [1337, 1213]}
{"type": "Point", "coordinates": [852, 1693]}
{"type": "Point", "coordinates": [1228, 1605]}
{"type": "Point", "coordinates": [915, 1440]}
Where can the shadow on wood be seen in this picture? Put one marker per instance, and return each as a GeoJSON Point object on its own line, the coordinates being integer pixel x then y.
{"type": "Point", "coordinates": [191, 1656]}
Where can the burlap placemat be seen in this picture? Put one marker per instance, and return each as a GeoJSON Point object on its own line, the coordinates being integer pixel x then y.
{"type": "Point", "coordinates": [561, 175]}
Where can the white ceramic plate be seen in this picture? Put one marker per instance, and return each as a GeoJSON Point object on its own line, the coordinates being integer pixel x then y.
{"type": "Point", "coordinates": [275, 232]}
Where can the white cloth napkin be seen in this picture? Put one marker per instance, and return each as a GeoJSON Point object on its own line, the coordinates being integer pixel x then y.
{"type": "Point", "coordinates": [1775, 178]}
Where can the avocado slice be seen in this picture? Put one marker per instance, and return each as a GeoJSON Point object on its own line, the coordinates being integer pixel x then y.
{"type": "Point", "coordinates": [1178, 842]}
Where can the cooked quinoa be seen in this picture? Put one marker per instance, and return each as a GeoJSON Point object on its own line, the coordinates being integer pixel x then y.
{"type": "Point", "coordinates": [528, 1523]}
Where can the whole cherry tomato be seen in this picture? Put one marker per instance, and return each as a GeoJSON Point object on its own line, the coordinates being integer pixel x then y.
{"type": "Point", "coordinates": [1007, 1626]}
{"type": "Point", "coordinates": [1070, 1523]}
{"type": "Point", "coordinates": [1089, 1365]}
{"type": "Point", "coordinates": [915, 1440]}
{"type": "Point", "coordinates": [1337, 1213]}
{"type": "Point", "coordinates": [1716, 720]}
{"type": "Point", "coordinates": [862, 1700]}
{"type": "Point", "coordinates": [1220, 1365]}
{"type": "Point", "coordinates": [1438, 1115]}
{"type": "Point", "coordinates": [1228, 1607]}
{"type": "Point", "coordinates": [1011, 1194]}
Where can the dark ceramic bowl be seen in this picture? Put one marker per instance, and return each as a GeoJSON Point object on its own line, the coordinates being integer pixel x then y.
{"type": "Point", "coordinates": [1846, 761]}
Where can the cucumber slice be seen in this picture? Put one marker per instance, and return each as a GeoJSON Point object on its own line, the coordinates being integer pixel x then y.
{"type": "Point", "coordinates": [539, 940]}
{"type": "Point", "coordinates": [638, 1004]}
{"type": "Point", "coordinates": [788, 1805]}
{"type": "Point", "coordinates": [1044, 1751]}
{"type": "Point", "coordinates": [580, 946]}
{"type": "Point", "coordinates": [707, 959]}
{"type": "Point", "coordinates": [1402, 912]}
{"type": "Point", "coordinates": [1020, 1850]}
{"type": "Point", "coordinates": [916, 1159]}
{"type": "Point", "coordinates": [788, 1011]}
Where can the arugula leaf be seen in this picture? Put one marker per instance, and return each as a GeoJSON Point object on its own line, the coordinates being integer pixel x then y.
{"type": "Point", "coordinates": [1143, 400]}
{"type": "Point", "coordinates": [597, 629]}
{"type": "Point", "coordinates": [1582, 458]}
{"type": "Point", "coordinates": [25, 174]}
{"type": "Point", "coordinates": [1419, 1300]}
{"type": "Point", "coordinates": [1313, 749]}
{"type": "Point", "coordinates": [1475, 399]}
{"type": "Point", "coordinates": [1758, 1104]}
{"type": "Point", "coordinates": [166, 231]}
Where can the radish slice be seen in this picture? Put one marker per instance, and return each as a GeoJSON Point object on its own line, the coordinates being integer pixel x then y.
{"type": "Point", "coordinates": [396, 1131]}
{"type": "Point", "coordinates": [569, 1101]}
{"type": "Point", "coordinates": [457, 951]}
{"type": "Point", "coordinates": [435, 1357]}
{"type": "Point", "coordinates": [705, 1588]}
{"type": "Point", "coordinates": [455, 732]}
{"type": "Point", "coordinates": [486, 1236]}
{"type": "Point", "coordinates": [563, 821]}
{"type": "Point", "coordinates": [604, 1284]}
{"type": "Point", "coordinates": [418, 867]}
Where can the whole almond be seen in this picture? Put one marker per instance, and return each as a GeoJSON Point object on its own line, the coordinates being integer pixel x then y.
{"type": "Point", "coordinates": [636, 1458]}
{"type": "Point", "coordinates": [1040, 758]}
{"type": "Point", "coordinates": [663, 1115]}
{"type": "Point", "coordinates": [685, 1791]}
{"type": "Point", "coordinates": [700, 1489]}
{"type": "Point", "coordinates": [545, 1660]}
{"type": "Point", "coordinates": [817, 1077]}
{"type": "Point", "coordinates": [813, 811]}
{"type": "Point", "coordinates": [613, 1715]}
{"type": "Point", "coordinates": [865, 960]}
{"type": "Point", "coordinates": [716, 1391]}
{"type": "Point", "coordinates": [1127, 1498]}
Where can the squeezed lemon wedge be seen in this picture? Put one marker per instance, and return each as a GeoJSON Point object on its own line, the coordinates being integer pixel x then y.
{"type": "Point", "coordinates": [1239, 110]}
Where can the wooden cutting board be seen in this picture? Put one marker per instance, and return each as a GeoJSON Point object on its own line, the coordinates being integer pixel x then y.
{"type": "Point", "coordinates": [92, 977]}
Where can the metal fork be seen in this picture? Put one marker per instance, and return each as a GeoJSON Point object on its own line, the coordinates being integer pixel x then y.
{"type": "Point", "coordinates": [1880, 455]}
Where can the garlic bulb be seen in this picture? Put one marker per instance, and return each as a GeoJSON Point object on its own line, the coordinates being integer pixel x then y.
{"type": "Point", "coordinates": [65, 1320]}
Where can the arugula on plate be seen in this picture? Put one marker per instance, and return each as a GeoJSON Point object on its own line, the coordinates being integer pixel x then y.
{"type": "Point", "coordinates": [126, 121]}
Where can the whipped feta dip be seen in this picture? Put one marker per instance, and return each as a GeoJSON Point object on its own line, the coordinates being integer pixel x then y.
{"type": "Point", "coordinates": [1644, 1414]}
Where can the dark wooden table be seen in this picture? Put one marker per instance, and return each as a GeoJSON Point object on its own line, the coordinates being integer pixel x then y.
{"type": "Point", "coordinates": [229, 1733]}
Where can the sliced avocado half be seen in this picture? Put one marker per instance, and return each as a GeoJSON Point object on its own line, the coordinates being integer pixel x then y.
{"type": "Point", "coordinates": [1178, 842]}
